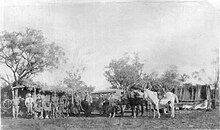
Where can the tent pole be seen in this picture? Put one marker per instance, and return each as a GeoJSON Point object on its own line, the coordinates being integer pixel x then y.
{"type": "Point", "coordinates": [72, 97]}
{"type": "Point", "coordinates": [181, 90]}
{"type": "Point", "coordinates": [193, 93]}
{"type": "Point", "coordinates": [34, 93]}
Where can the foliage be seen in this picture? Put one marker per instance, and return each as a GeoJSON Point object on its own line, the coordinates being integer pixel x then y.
{"type": "Point", "coordinates": [125, 71]}
{"type": "Point", "coordinates": [75, 82]}
{"type": "Point", "coordinates": [27, 54]}
{"type": "Point", "coordinates": [151, 81]}
{"type": "Point", "coordinates": [183, 77]}
{"type": "Point", "coordinates": [201, 76]}
{"type": "Point", "coordinates": [170, 78]}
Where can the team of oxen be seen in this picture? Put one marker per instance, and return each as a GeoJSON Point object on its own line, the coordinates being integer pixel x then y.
{"type": "Point", "coordinates": [53, 106]}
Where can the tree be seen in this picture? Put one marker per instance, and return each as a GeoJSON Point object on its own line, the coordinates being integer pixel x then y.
{"type": "Point", "coordinates": [183, 77]}
{"type": "Point", "coordinates": [201, 76]}
{"type": "Point", "coordinates": [170, 78]}
{"type": "Point", "coordinates": [216, 64]}
{"type": "Point", "coordinates": [27, 54]}
{"type": "Point", "coordinates": [125, 71]}
{"type": "Point", "coordinates": [74, 79]}
{"type": "Point", "coordinates": [151, 81]}
{"type": "Point", "coordinates": [75, 82]}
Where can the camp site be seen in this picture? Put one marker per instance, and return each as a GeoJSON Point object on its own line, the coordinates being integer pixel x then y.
{"type": "Point", "coordinates": [109, 64]}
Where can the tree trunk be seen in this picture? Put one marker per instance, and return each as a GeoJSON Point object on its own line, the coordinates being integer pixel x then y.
{"type": "Point", "coordinates": [216, 85]}
{"type": "Point", "coordinates": [214, 96]}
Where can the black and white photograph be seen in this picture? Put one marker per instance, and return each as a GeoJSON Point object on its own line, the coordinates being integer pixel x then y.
{"type": "Point", "coordinates": [109, 64]}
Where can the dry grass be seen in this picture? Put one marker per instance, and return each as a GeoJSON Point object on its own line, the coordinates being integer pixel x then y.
{"type": "Point", "coordinates": [190, 119]}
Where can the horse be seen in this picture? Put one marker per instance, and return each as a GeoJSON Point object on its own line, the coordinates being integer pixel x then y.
{"type": "Point", "coordinates": [169, 99]}
{"type": "Point", "coordinates": [134, 100]}
{"type": "Point", "coordinates": [113, 108]}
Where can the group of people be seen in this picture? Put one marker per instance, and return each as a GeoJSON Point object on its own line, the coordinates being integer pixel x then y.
{"type": "Point", "coordinates": [49, 106]}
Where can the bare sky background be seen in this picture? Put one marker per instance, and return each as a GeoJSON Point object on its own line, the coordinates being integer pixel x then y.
{"type": "Point", "coordinates": [174, 32]}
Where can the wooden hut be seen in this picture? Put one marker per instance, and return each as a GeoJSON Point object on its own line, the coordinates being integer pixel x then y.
{"type": "Point", "coordinates": [191, 93]}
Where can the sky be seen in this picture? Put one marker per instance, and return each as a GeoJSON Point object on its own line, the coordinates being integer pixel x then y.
{"type": "Point", "coordinates": [93, 32]}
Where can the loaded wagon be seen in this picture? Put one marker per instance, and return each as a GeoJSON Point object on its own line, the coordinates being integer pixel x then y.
{"type": "Point", "coordinates": [101, 99]}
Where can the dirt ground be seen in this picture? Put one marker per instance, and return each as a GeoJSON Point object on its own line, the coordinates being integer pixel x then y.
{"type": "Point", "coordinates": [185, 119]}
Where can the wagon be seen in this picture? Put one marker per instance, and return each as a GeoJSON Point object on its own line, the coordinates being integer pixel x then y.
{"type": "Point", "coordinates": [100, 99]}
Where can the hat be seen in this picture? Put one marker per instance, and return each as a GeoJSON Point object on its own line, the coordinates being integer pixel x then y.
{"type": "Point", "coordinates": [29, 95]}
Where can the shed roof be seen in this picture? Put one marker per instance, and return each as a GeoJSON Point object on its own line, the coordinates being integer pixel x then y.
{"type": "Point", "coordinates": [106, 91]}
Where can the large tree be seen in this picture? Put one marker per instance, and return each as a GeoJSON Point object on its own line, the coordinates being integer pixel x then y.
{"type": "Point", "coordinates": [125, 71]}
{"type": "Point", "coordinates": [27, 54]}
{"type": "Point", "coordinates": [170, 78]}
{"type": "Point", "coordinates": [151, 81]}
{"type": "Point", "coordinates": [75, 82]}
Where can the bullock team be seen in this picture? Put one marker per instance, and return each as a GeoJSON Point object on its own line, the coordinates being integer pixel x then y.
{"type": "Point", "coordinates": [53, 106]}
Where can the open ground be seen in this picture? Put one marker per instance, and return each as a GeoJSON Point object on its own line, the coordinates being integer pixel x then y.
{"type": "Point", "coordinates": [185, 119]}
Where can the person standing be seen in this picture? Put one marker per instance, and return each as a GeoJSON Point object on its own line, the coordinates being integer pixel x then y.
{"type": "Point", "coordinates": [29, 103]}
{"type": "Point", "coordinates": [54, 105]}
{"type": "Point", "coordinates": [88, 102]}
{"type": "Point", "coordinates": [15, 108]}
{"type": "Point", "coordinates": [39, 105]}
{"type": "Point", "coordinates": [88, 98]}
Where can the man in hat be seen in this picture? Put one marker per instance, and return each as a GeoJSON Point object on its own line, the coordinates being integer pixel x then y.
{"type": "Point", "coordinates": [87, 103]}
{"type": "Point", "coordinates": [77, 102]}
{"type": "Point", "coordinates": [88, 98]}
{"type": "Point", "coordinates": [39, 105]}
{"type": "Point", "coordinates": [161, 92]}
{"type": "Point", "coordinates": [29, 103]}
{"type": "Point", "coordinates": [47, 105]}
{"type": "Point", "coordinates": [15, 108]}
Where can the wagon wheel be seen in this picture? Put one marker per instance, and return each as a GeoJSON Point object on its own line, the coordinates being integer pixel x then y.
{"type": "Point", "coordinates": [7, 104]}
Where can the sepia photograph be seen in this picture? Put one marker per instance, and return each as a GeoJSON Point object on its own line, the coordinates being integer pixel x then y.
{"type": "Point", "coordinates": [109, 64]}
